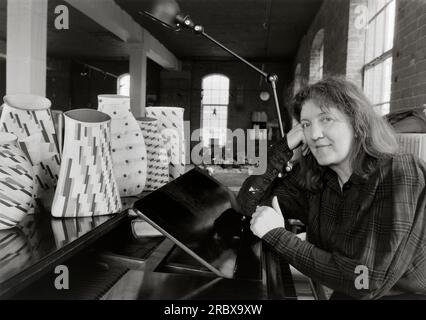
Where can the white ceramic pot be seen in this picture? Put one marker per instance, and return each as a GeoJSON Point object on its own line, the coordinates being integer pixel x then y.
{"type": "Point", "coordinates": [16, 182]}
{"type": "Point", "coordinates": [171, 126]}
{"type": "Point", "coordinates": [86, 185]}
{"type": "Point", "coordinates": [29, 117]}
{"type": "Point", "coordinates": [128, 146]}
{"type": "Point", "coordinates": [158, 162]}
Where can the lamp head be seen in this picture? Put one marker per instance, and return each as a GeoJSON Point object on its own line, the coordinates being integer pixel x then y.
{"type": "Point", "coordinates": [167, 12]}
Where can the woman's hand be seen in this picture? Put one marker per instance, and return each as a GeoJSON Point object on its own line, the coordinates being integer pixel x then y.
{"type": "Point", "coordinates": [295, 137]}
{"type": "Point", "coordinates": [264, 219]}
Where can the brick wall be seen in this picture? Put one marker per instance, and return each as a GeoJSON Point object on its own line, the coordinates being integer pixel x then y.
{"type": "Point", "coordinates": [409, 55]}
{"type": "Point", "coordinates": [344, 47]}
{"type": "Point", "coordinates": [333, 17]}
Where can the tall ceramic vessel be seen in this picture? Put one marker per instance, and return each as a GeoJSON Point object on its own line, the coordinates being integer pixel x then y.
{"type": "Point", "coordinates": [29, 117]}
{"type": "Point", "coordinates": [86, 185]}
{"type": "Point", "coordinates": [158, 162]}
{"type": "Point", "coordinates": [129, 155]}
{"type": "Point", "coordinates": [171, 126]}
{"type": "Point", "coordinates": [16, 182]}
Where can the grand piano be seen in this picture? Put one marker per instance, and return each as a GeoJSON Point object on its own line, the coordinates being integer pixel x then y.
{"type": "Point", "coordinates": [203, 250]}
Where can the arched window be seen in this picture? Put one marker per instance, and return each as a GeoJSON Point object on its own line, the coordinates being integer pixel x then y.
{"type": "Point", "coordinates": [316, 65]}
{"type": "Point", "coordinates": [123, 85]}
{"type": "Point", "coordinates": [297, 79]}
{"type": "Point", "coordinates": [214, 109]}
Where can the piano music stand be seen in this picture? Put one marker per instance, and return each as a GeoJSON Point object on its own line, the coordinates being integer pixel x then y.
{"type": "Point", "coordinates": [198, 214]}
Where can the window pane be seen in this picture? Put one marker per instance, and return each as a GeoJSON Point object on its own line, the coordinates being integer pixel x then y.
{"type": "Point", "coordinates": [382, 109]}
{"type": "Point", "coordinates": [369, 50]}
{"type": "Point", "coordinates": [375, 86]}
{"type": "Point", "coordinates": [123, 85]}
{"type": "Point", "coordinates": [379, 38]}
{"type": "Point", "coordinates": [214, 124]}
{"type": "Point", "coordinates": [380, 31]}
{"type": "Point", "coordinates": [372, 6]}
{"type": "Point", "coordinates": [390, 25]}
{"type": "Point", "coordinates": [214, 115]}
{"type": "Point", "coordinates": [387, 80]}
{"type": "Point", "coordinates": [368, 74]}
{"type": "Point", "coordinates": [380, 4]}
{"type": "Point", "coordinates": [321, 66]}
{"type": "Point", "coordinates": [215, 90]}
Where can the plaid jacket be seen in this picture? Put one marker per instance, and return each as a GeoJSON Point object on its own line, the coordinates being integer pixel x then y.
{"type": "Point", "coordinates": [364, 239]}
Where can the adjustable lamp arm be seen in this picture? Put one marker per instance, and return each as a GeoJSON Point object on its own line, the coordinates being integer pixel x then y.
{"type": "Point", "coordinates": [186, 22]}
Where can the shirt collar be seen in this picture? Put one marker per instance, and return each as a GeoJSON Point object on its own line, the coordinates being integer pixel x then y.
{"type": "Point", "coordinates": [330, 177]}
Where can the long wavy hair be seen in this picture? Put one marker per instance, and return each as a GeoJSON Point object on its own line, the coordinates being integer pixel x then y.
{"type": "Point", "coordinates": [373, 137]}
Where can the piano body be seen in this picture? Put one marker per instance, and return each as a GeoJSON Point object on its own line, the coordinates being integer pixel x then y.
{"type": "Point", "coordinates": [204, 250]}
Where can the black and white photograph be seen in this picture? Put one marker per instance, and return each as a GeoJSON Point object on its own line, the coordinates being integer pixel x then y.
{"type": "Point", "coordinates": [213, 157]}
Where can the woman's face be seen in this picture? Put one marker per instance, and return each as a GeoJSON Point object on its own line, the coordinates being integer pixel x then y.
{"type": "Point", "coordinates": [328, 133]}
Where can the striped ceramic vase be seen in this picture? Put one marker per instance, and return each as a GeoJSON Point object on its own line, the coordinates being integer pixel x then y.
{"type": "Point", "coordinates": [86, 185]}
{"type": "Point", "coordinates": [129, 155]}
{"type": "Point", "coordinates": [171, 126]}
{"type": "Point", "coordinates": [29, 117]}
{"type": "Point", "coordinates": [158, 162]}
{"type": "Point", "coordinates": [16, 182]}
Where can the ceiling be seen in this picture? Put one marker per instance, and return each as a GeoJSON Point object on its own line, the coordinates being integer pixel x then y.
{"type": "Point", "coordinates": [84, 38]}
{"type": "Point", "coordinates": [256, 29]}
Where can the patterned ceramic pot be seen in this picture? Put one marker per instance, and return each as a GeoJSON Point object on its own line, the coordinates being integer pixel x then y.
{"type": "Point", "coordinates": [86, 185]}
{"type": "Point", "coordinates": [158, 162]}
{"type": "Point", "coordinates": [171, 126]}
{"type": "Point", "coordinates": [16, 182]}
{"type": "Point", "coordinates": [29, 117]}
{"type": "Point", "coordinates": [129, 155]}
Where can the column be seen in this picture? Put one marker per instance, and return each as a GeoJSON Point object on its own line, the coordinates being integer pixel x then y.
{"type": "Point", "coordinates": [26, 46]}
{"type": "Point", "coordinates": [138, 79]}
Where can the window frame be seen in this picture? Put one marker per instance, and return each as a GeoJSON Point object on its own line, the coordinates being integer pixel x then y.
{"type": "Point", "coordinates": [379, 59]}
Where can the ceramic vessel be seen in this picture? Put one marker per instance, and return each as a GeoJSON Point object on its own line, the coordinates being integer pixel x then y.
{"type": "Point", "coordinates": [171, 126]}
{"type": "Point", "coordinates": [86, 185]}
{"type": "Point", "coordinates": [158, 162]}
{"type": "Point", "coordinates": [16, 182]}
{"type": "Point", "coordinates": [129, 155]}
{"type": "Point", "coordinates": [29, 117]}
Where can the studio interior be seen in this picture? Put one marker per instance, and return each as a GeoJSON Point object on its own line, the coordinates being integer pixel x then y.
{"type": "Point", "coordinates": [128, 128]}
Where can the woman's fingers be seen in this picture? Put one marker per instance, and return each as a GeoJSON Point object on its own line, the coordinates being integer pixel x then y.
{"type": "Point", "coordinates": [266, 218]}
{"type": "Point", "coordinates": [275, 205]}
{"type": "Point", "coordinates": [295, 137]}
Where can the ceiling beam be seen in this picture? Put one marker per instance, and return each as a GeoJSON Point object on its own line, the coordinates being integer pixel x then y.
{"type": "Point", "coordinates": [114, 19]}
{"type": "Point", "coordinates": [159, 54]}
{"type": "Point", "coordinates": [110, 16]}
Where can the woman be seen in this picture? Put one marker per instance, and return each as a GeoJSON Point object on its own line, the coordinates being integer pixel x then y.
{"type": "Point", "coordinates": [363, 204]}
